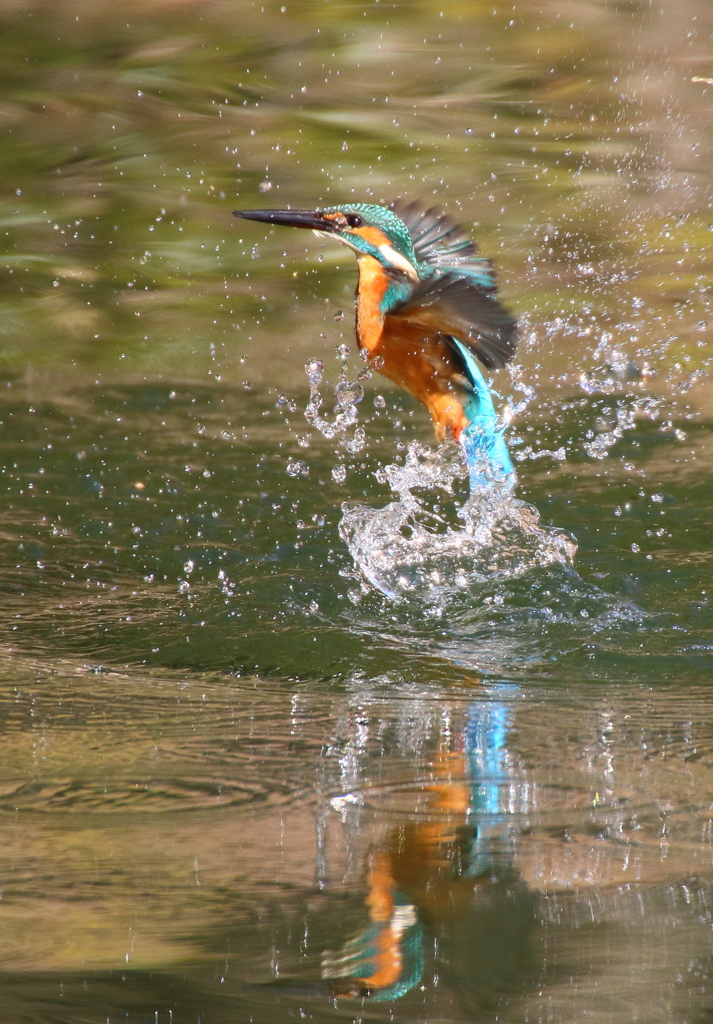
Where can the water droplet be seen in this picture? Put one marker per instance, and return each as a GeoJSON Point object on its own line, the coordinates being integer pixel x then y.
{"type": "Point", "coordinates": [339, 315]}
{"type": "Point", "coordinates": [348, 393]}
{"type": "Point", "coordinates": [358, 441]}
{"type": "Point", "coordinates": [265, 186]}
{"type": "Point", "coordinates": [379, 401]}
{"type": "Point", "coordinates": [345, 419]}
{"type": "Point", "coordinates": [314, 366]}
{"type": "Point", "coordinates": [339, 474]}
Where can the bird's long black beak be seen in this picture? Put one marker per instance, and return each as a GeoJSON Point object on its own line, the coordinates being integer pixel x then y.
{"type": "Point", "coordinates": [290, 218]}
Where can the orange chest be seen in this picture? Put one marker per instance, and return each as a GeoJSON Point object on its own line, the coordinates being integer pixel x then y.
{"type": "Point", "coordinates": [373, 283]}
{"type": "Point", "coordinates": [422, 363]}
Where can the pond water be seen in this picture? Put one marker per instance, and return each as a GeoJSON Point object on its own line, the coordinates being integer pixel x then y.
{"type": "Point", "coordinates": [283, 737]}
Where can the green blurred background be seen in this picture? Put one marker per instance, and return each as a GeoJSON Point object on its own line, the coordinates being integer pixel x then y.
{"type": "Point", "coordinates": [573, 136]}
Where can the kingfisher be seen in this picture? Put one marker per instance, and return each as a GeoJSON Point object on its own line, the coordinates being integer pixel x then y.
{"type": "Point", "coordinates": [427, 313]}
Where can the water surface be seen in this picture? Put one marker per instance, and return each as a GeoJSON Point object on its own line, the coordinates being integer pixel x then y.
{"type": "Point", "coordinates": [234, 770]}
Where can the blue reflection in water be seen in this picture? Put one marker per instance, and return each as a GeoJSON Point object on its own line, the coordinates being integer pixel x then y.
{"type": "Point", "coordinates": [485, 743]}
{"type": "Point", "coordinates": [427, 867]}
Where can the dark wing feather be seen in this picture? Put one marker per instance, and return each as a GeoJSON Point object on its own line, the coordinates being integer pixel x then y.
{"type": "Point", "coordinates": [433, 234]}
{"type": "Point", "coordinates": [440, 242]}
{"type": "Point", "coordinates": [454, 305]}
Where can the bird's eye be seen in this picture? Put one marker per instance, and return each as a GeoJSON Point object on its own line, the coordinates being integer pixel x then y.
{"type": "Point", "coordinates": [354, 220]}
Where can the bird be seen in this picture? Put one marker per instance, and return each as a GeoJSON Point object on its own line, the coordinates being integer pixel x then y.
{"type": "Point", "coordinates": [427, 314]}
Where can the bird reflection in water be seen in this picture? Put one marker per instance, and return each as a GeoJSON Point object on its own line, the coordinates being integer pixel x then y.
{"type": "Point", "coordinates": [446, 875]}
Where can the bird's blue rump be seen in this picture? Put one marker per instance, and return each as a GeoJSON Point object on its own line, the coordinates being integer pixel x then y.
{"type": "Point", "coordinates": [483, 441]}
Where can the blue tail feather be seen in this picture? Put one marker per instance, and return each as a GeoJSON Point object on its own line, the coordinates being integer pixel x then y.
{"type": "Point", "coordinates": [483, 443]}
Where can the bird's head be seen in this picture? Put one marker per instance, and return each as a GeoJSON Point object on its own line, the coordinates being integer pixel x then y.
{"type": "Point", "coordinates": [369, 230]}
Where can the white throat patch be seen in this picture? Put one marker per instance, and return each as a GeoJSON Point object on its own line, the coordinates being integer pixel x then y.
{"type": "Point", "coordinates": [336, 238]}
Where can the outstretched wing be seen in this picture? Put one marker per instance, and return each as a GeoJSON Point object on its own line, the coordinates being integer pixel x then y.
{"type": "Point", "coordinates": [456, 306]}
{"type": "Point", "coordinates": [440, 242]}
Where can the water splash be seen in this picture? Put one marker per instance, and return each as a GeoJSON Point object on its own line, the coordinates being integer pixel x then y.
{"type": "Point", "coordinates": [430, 542]}
{"type": "Point", "coordinates": [348, 393]}
{"type": "Point", "coordinates": [434, 550]}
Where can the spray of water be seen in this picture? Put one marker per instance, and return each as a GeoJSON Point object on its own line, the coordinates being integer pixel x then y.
{"type": "Point", "coordinates": [429, 542]}
{"type": "Point", "coordinates": [348, 394]}
{"type": "Point", "coordinates": [414, 547]}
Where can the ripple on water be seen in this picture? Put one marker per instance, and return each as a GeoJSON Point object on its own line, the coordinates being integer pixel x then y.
{"type": "Point", "coordinates": [170, 794]}
{"type": "Point", "coordinates": [612, 787]}
{"type": "Point", "coordinates": [77, 741]}
{"type": "Point", "coordinates": [520, 801]}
